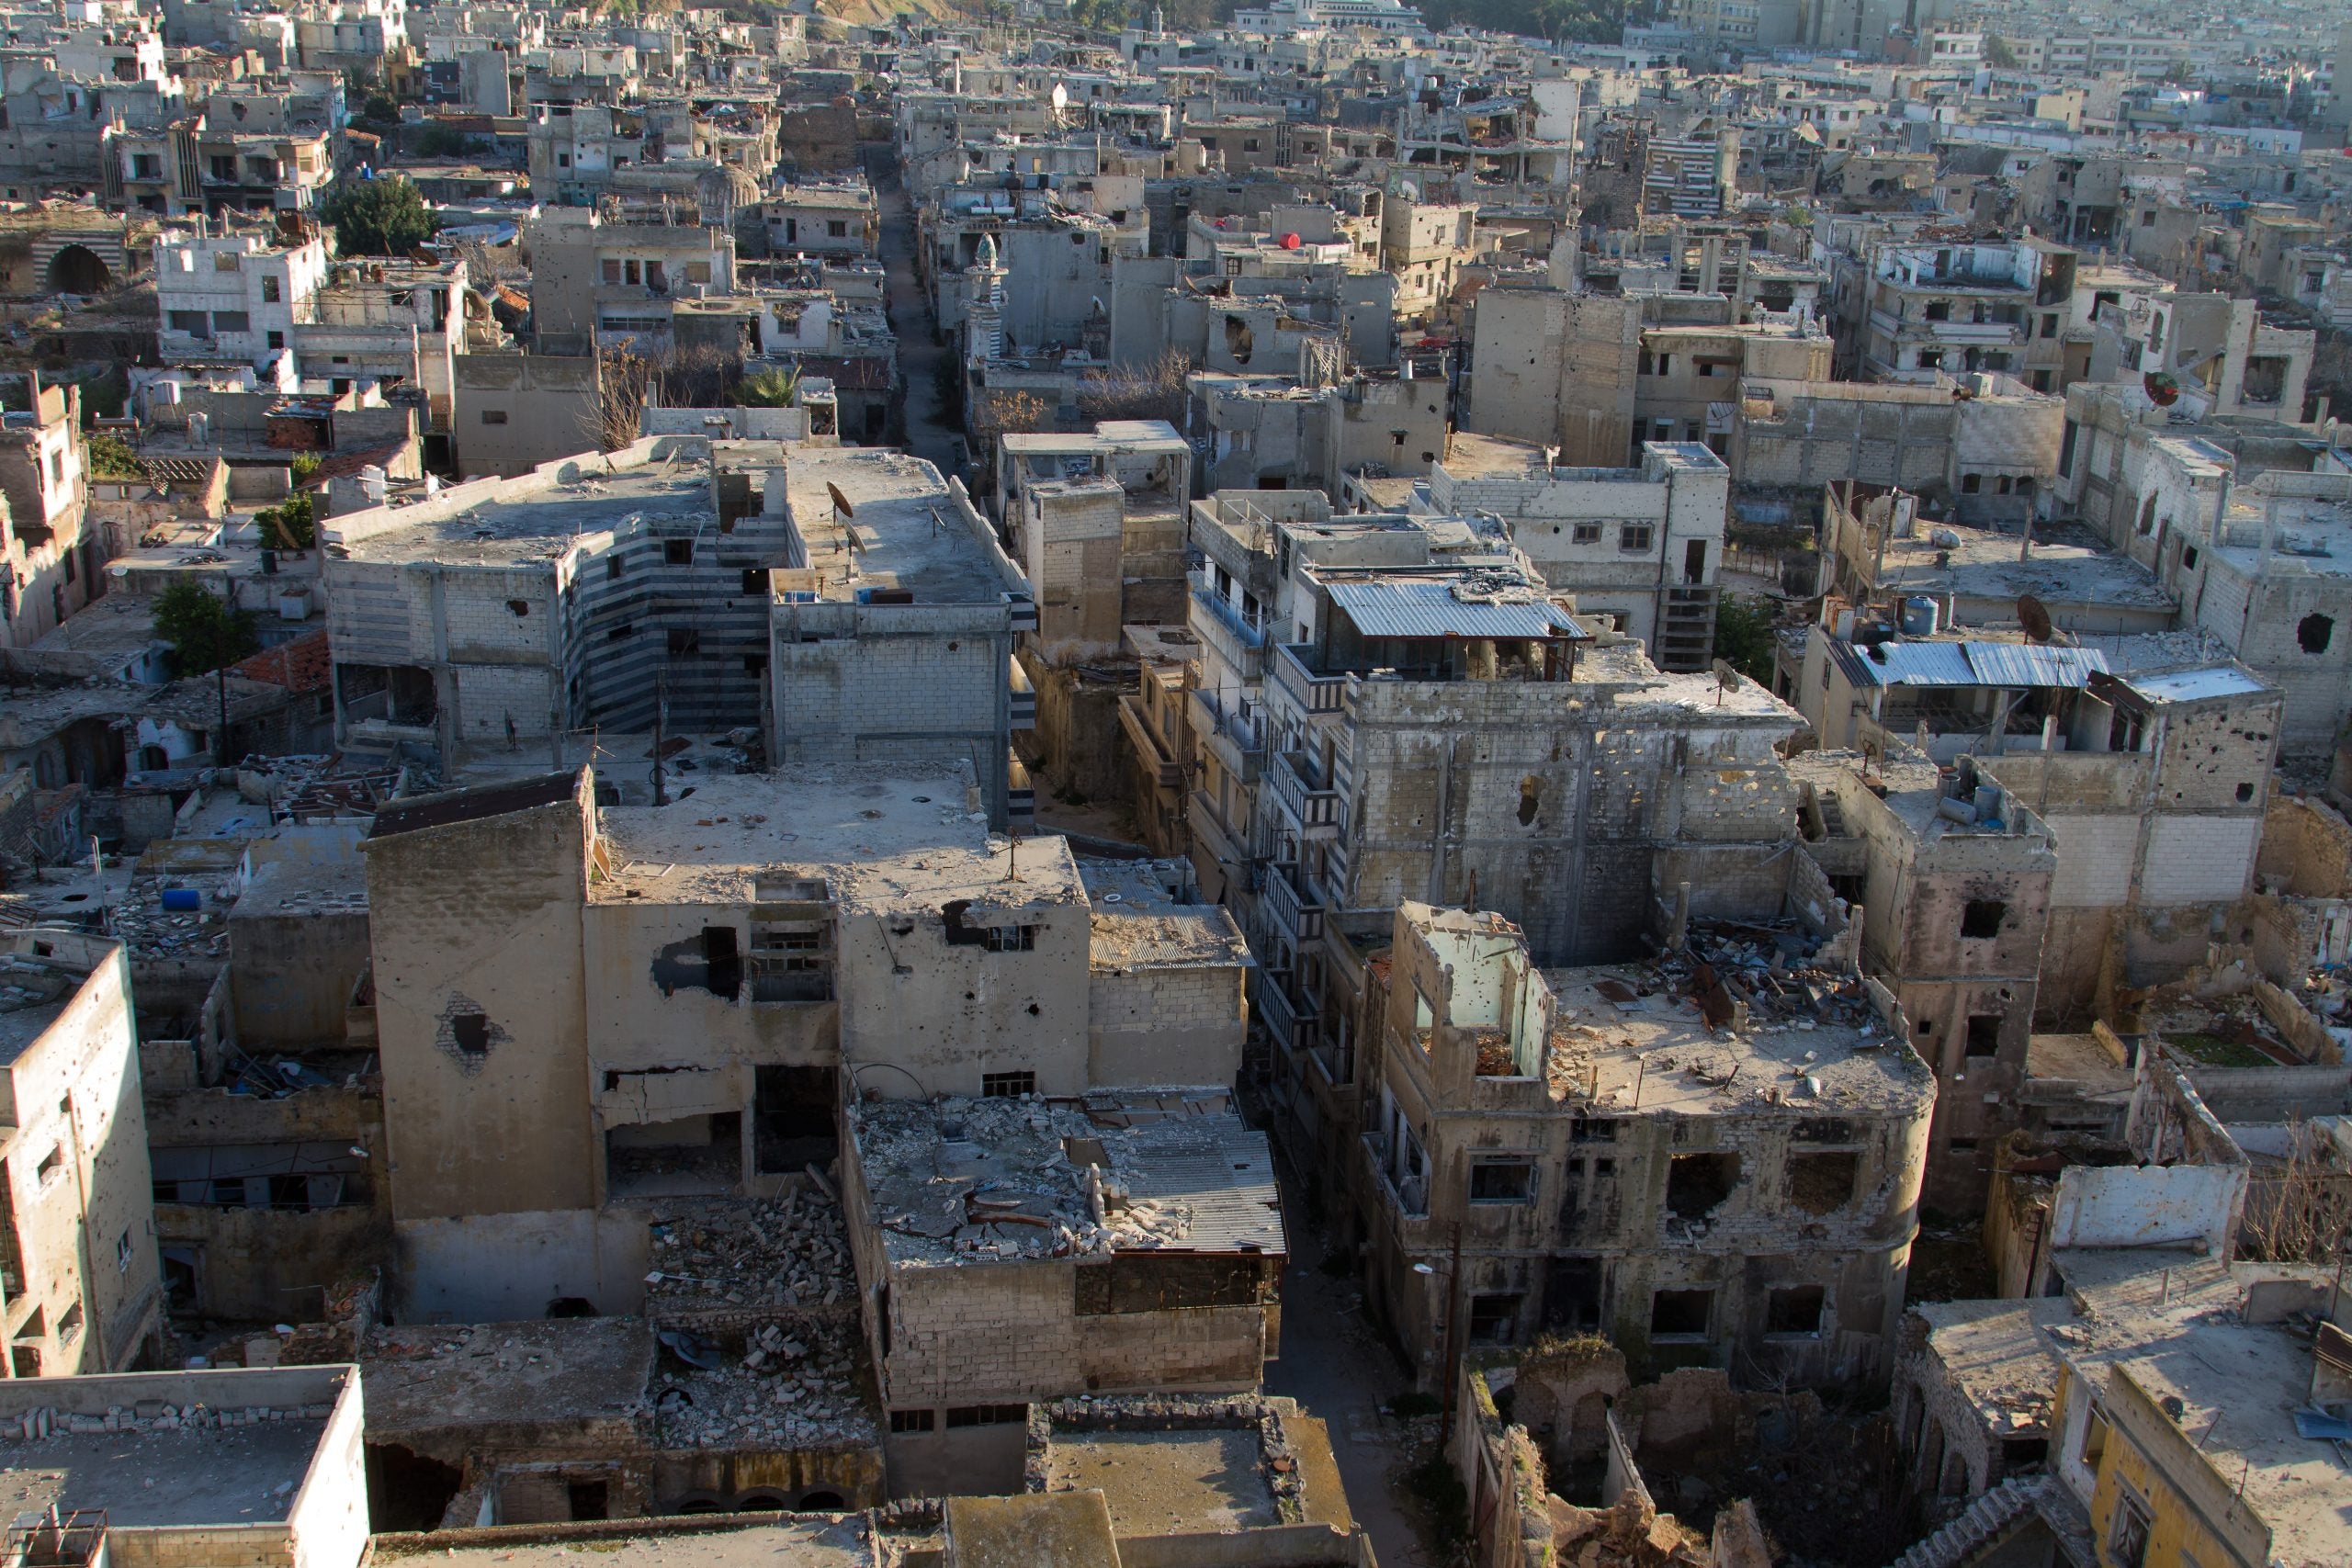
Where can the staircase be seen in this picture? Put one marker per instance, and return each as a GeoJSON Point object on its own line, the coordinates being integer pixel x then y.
{"type": "Point", "coordinates": [1978, 1525]}
{"type": "Point", "coordinates": [1833, 816]}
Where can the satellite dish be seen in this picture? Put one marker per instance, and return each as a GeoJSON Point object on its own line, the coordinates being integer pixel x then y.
{"type": "Point", "coordinates": [1725, 676]}
{"type": "Point", "coordinates": [2162, 389]}
{"type": "Point", "coordinates": [2035, 616]}
{"type": "Point", "coordinates": [840, 502]}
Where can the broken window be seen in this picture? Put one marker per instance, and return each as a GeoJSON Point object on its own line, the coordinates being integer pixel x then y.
{"type": "Point", "coordinates": [1503, 1181]}
{"type": "Point", "coordinates": [1792, 1309]}
{"type": "Point", "coordinates": [2313, 632]}
{"type": "Point", "coordinates": [2127, 1534]}
{"type": "Point", "coordinates": [1696, 1185]}
{"type": "Point", "coordinates": [998, 1086]}
{"type": "Point", "coordinates": [1982, 917]}
{"type": "Point", "coordinates": [963, 933]}
{"type": "Point", "coordinates": [1572, 1298]}
{"type": "Point", "coordinates": [1494, 1319]}
{"type": "Point", "coordinates": [1593, 1129]}
{"type": "Point", "coordinates": [792, 961]}
{"type": "Point", "coordinates": [1822, 1183]}
{"type": "Point", "coordinates": [986, 1415]}
{"type": "Point", "coordinates": [1983, 1035]}
{"type": "Point", "coordinates": [1680, 1314]}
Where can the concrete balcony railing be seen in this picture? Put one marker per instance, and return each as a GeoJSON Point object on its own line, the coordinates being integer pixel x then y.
{"type": "Point", "coordinates": [1405, 1213]}
{"type": "Point", "coordinates": [1287, 904]}
{"type": "Point", "coordinates": [1240, 643]}
{"type": "Point", "coordinates": [1150, 751]}
{"type": "Point", "coordinates": [1233, 729]}
{"type": "Point", "coordinates": [1312, 692]}
{"type": "Point", "coordinates": [1313, 807]}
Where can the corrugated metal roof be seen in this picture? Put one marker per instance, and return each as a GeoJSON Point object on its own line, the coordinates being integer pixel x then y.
{"type": "Point", "coordinates": [1223, 1173]}
{"type": "Point", "coordinates": [1422, 607]}
{"type": "Point", "coordinates": [2031, 664]}
{"type": "Point", "coordinates": [2009, 664]}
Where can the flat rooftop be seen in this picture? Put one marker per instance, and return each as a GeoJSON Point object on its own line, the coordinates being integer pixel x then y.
{"type": "Point", "coordinates": [555, 1371]}
{"type": "Point", "coordinates": [2064, 567]}
{"type": "Point", "coordinates": [879, 836]}
{"type": "Point", "coordinates": [1632, 1039]}
{"type": "Point", "coordinates": [1140, 923]}
{"type": "Point", "coordinates": [191, 1474]}
{"type": "Point", "coordinates": [1167, 1483]}
{"type": "Point", "coordinates": [512, 523]}
{"type": "Point", "coordinates": [906, 534]}
{"type": "Point", "coordinates": [1995, 1353]}
{"type": "Point", "coordinates": [808, 1541]}
{"type": "Point", "coordinates": [963, 1180]}
{"type": "Point", "coordinates": [37, 988]}
{"type": "Point", "coordinates": [2309, 535]}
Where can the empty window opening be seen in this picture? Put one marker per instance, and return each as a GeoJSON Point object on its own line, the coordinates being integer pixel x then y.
{"type": "Point", "coordinates": [1982, 917]}
{"type": "Point", "coordinates": [1696, 1184]}
{"type": "Point", "coordinates": [963, 931]}
{"type": "Point", "coordinates": [1494, 1319]}
{"type": "Point", "coordinates": [1680, 1314]}
{"type": "Point", "coordinates": [2023, 1453]}
{"type": "Point", "coordinates": [710, 962]}
{"type": "Point", "coordinates": [1000, 1086]}
{"type": "Point", "coordinates": [1792, 1309]}
{"type": "Point", "coordinates": [793, 1117]}
{"type": "Point", "coordinates": [1983, 1035]}
{"type": "Point", "coordinates": [913, 1420]}
{"type": "Point", "coordinates": [685, 640]}
{"type": "Point", "coordinates": [1503, 1181]}
{"type": "Point", "coordinates": [407, 1491]}
{"type": "Point", "coordinates": [2245, 793]}
{"type": "Point", "coordinates": [2313, 633]}
{"type": "Point", "coordinates": [1822, 1183]}
{"type": "Point", "coordinates": [589, 1499]}
{"type": "Point", "coordinates": [677, 552]}
{"type": "Point", "coordinates": [51, 1165]}
{"type": "Point", "coordinates": [986, 1415]}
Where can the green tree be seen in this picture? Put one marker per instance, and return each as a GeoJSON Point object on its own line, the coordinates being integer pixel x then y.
{"type": "Point", "coordinates": [442, 141]}
{"type": "Point", "coordinates": [772, 387]}
{"type": "Point", "coordinates": [304, 468]}
{"type": "Point", "coordinates": [1998, 54]}
{"type": "Point", "coordinates": [1744, 637]}
{"type": "Point", "coordinates": [111, 457]}
{"type": "Point", "coordinates": [292, 525]}
{"type": "Point", "coordinates": [378, 218]}
{"type": "Point", "coordinates": [205, 634]}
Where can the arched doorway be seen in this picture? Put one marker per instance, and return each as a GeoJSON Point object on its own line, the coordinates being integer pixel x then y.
{"type": "Point", "coordinates": [77, 269]}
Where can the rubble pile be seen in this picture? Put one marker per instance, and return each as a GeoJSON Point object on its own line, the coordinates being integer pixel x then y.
{"type": "Point", "coordinates": [792, 1386]}
{"type": "Point", "coordinates": [791, 1251]}
{"type": "Point", "coordinates": [1018, 1176]}
{"type": "Point", "coordinates": [151, 1415]}
{"type": "Point", "coordinates": [1632, 1534]}
{"type": "Point", "coordinates": [149, 929]}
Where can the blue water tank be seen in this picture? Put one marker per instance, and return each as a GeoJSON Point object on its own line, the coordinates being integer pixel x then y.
{"type": "Point", "coordinates": [1921, 615]}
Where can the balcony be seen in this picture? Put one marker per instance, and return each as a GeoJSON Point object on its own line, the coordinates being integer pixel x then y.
{"type": "Point", "coordinates": [1240, 644]}
{"type": "Point", "coordinates": [1305, 797]}
{"type": "Point", "coordinates": [1232, 729]}
{"type": "Point", "coordinates": [1287, 904]}
{"type": "Point", "coordinates": [1406, 1209]}
{"type": "Point", "coordinates": [1150, 751]}
{"type": "Point", "coordinates": [1312, 692]}
{"type": "Point", "coordinates": [1024, 695]}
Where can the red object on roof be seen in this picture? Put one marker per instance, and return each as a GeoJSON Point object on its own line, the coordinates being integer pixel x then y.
{"type": "Point", "coordinates": [302, 665]}
{"type": "Point", "coordinates": [1291, 242]}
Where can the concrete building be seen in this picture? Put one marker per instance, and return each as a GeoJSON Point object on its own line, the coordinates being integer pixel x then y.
{"type": "Point", "coordinates": [52, 557]}
{"type": "Point", "coordinates": [694, 1032]}
{"type": "Point", "coordinates": [1594, 1150]}
{"type": "Point", "coordinates": [80, 1271]}
{"type": "Point", "coordinates": [1955, 886]}
{"type": "Point", "coordinates": [234, 296]}
{"type": "Point", "coordinates": [1012, 1250]}
{"type": "Point", "coordinates": [255, 1465]}
{"type": "Point", "coordinates": [1638, 548]}
{"type": "Point", "coordinates": [597, 279]}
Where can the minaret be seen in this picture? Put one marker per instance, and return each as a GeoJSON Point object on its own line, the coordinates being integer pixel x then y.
{"type": "Point", "coordinates": [984, 305]}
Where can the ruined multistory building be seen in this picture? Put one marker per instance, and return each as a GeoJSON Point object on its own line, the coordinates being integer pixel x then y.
{"type": "Point", "coordinates": [1630, 1150]}
{"type": "Point", "coordinates": [1015, 1249]}
{"type": "Point", "coordinates": [699, 995]}
{"type": "Point", "coordinates": [77, 1244]}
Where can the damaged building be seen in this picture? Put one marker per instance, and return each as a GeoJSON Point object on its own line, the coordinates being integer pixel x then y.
{"type": "Point", "coordinates": [1714, 1161]}
{"type": "Point", "coordinates": [1013, 1248]}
